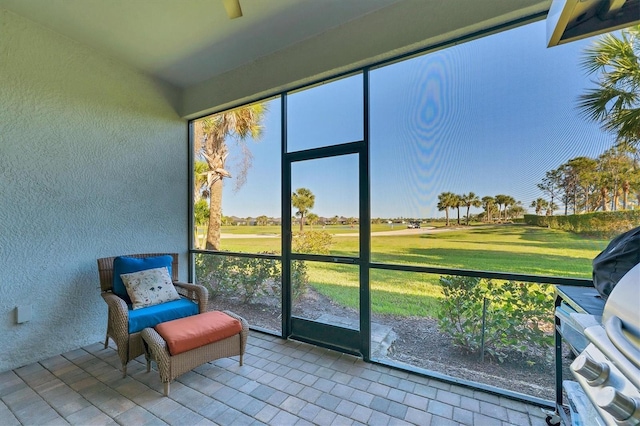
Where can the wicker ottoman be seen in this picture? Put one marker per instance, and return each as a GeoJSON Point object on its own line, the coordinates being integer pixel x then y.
{"type": "Point", "coordinates": [181, 345]}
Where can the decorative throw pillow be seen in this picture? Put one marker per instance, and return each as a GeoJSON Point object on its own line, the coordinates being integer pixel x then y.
{"type": "Point", "coordinates": [149, 287]}
{"type": "Point", "coordinates": [128, 265]}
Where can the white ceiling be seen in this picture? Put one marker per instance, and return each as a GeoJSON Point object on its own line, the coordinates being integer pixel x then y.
{"type": "Point", "coordinates": [187, 42]}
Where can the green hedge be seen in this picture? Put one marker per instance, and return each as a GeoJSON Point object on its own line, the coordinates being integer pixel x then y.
{"type": "Point", "coordinates": [605, 224]}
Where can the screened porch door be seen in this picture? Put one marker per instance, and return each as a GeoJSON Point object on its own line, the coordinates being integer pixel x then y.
{"type": "Point", "coordinates": [328, 301]}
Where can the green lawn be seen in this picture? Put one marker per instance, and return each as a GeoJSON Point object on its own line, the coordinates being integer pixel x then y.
{"type": "Point", "coordinates": [392, 292]}
{"type": "Point", "coordinates": [514, 248]}
{"type": "Point", "coordinates": [501, 248]}
{"type": "Point", "coordinates": [332, 229]}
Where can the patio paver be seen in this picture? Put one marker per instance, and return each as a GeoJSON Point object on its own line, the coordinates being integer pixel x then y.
{"type": "Point", "coordinates": [281, 382]}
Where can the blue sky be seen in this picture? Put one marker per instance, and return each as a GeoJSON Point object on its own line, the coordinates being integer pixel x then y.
{"type": "Point", "coordinates": [489, 116]}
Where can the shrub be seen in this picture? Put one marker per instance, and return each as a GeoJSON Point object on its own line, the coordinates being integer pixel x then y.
{"type": "Point", "coordinates": [311, 242]}
{"type": "Point", "coordinates": [516, 318]}
{"type": "Point", "coordinates": [248, 278]}
{"type": "Point", "coordinates": [242, 277]}
{"type": "Point", "coordinates": [299, 279]}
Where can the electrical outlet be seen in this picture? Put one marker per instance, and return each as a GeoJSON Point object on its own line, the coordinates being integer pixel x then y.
{"type": "Point", "coordinates": [23, 314]}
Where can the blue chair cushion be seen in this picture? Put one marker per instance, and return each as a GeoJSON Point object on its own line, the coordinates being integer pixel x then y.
{"type": "Point", "coordinates": [154, 315]}
{"type": "Point", "coordinates": [127, 265]}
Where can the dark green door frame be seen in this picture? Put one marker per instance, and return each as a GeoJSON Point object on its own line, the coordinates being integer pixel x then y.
{"type": "Point", "coordinates": [335, 337]}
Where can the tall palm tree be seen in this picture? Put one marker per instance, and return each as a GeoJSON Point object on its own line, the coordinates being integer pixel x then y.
{"type": "Point", "coordinates": [489, 206]}
{"type": "Point", "coordinates": [470, 200]}
{"type": "Point", "coordinates": [211, 135]}
{"type": "Point", "coordinates": [616, 101]}
{"type": "Point", "coordinates": [457, 203]}
{"type": "Point", "coordinates": [201, 211]}
{"type": "Point", "coordinates": [200, 187]}
{"type": "Point", "coordinates": [509, 202]}
{"type": "Point", "coordinates": [303, 200]}
{"type": "Point", "coordinates": [501, 200]}
{"type": "Point", "coordinates": [446, 200]}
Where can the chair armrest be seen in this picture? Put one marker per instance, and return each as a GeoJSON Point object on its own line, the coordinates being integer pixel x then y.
{"type": "Point", "coordinates": [195, 292]}
{"type": "Point", "coordinates": [118, 322]}
{"type": "Point", "coordinates": [154, 341]}
{"type": "Point", "coordinates": [157, 348]}
{"type": "Point", "coordinates": [118, 309]}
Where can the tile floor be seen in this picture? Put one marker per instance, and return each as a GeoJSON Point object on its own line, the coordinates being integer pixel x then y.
{"type": "Point", "coordinates": [281, 383]}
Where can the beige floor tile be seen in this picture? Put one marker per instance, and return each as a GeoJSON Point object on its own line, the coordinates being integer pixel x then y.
{"type": "Point", "coordinates": [281, 382]}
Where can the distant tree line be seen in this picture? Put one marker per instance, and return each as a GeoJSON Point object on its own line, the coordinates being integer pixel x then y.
{"type": "Point", "coordinates": [584, 184]}
{"type": "Point", "coordinates": [496, 208]}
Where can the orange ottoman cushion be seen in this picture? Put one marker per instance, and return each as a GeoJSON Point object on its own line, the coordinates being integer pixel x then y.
{"type": "Point", "coordinates": [191, 332]}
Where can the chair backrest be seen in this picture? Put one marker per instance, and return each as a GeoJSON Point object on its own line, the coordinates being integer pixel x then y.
{"type": "Point", "coordinates": [105, 268]}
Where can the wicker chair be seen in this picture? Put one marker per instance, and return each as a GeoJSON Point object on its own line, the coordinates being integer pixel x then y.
{"type": "Point", "coordinates": [131, 346]}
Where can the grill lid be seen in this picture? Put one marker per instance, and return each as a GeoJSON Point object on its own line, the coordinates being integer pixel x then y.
{"type": "Point", "coordinates": [624, 303]}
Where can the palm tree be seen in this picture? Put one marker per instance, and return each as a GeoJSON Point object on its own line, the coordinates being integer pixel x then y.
{"type": "Point", "coordinates": [445, 202]}
{"type": "Point", "coordinates": [457, 203]}
{"type": "Point", "coordinates": [616, 101]}
{"type": "Point", "coordinates": [516, 209]}
{"type": "Point", "coordinates": [200, 187]}
{"type": "Point", "coordinates": [489, 206]}
{"type": "Point", "coordinates": [509, 202]}
{"type": "Point", "coordinates": [552, 207]}
{"type": "Point", "coordinates": [303, 200]}
{"type": "Point", "coordinates": [501, 199]}
{"type": "Point", "coordinates": [539, 205]}
{"type": "Point", "coordinates": [201, 209]}
{"type": "Point", "coordinates": [210, 143]}
{"type": "Point", "coordinates": [470, 200]}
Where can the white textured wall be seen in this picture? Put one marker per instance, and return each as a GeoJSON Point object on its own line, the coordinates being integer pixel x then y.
{"type": "Point", "coordinates": [93, 163]}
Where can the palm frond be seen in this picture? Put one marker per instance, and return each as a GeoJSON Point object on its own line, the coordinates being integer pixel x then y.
{"type": "Point", "coordinates": [616, 99]}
